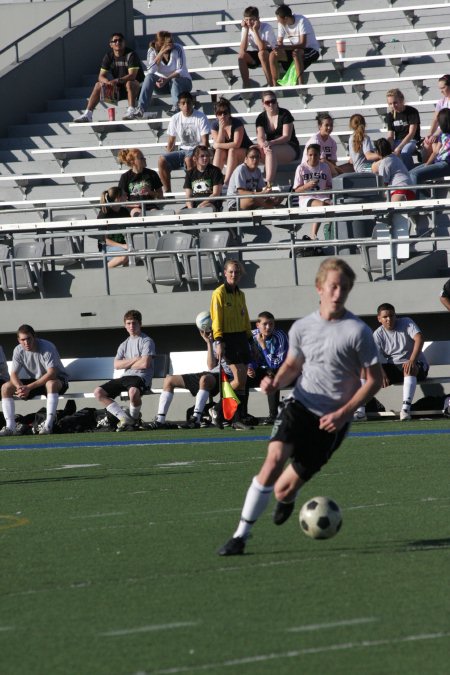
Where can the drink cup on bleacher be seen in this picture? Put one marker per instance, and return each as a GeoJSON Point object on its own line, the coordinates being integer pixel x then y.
{"type": "Point", "coordinates": [340, 48]}
{"type": "Point", "coordinates": [111, 114]}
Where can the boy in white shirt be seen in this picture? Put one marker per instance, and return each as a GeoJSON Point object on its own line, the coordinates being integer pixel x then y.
{"type": "Point", "coordinates": [257, 41]}
{"type": "Point", "coordinates": [296, 42]}
{"type": "Point", "coordinates": [312, 175]}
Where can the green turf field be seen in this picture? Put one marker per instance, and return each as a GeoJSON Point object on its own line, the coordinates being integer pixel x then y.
{"type": "Point", "coordinates": [109, 566]}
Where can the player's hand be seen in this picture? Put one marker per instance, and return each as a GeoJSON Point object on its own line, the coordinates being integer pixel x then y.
{"type": "Point", "coordinates": [261, 340]}
{"type": "Point", "coordinates": [409, 367]}
{"type": "Point", "coordinates": [332, 422]}
{"type": "Point", "coordinates": [161, 82]}
{"type": "Point", "coordinates": [23, 391]}
{"type": "Point", "coordinates": [250, 372]}
{"type": "Point", "coordinates": [206, 335]}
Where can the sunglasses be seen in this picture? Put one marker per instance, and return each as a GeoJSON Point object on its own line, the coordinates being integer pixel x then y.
{"type": "Point", "coordinates": [270, 101]}
{"type": "Point", "coordinates": [117, 41]}
{"type": "Point", "coordinates": [221, 113]}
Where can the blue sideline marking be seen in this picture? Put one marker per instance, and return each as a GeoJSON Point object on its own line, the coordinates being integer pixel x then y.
{"type": "Point", "coordinates": [223, 439]}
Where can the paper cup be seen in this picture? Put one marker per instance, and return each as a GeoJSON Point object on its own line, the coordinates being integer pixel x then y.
{"type": "Point", "coordinates": [340, 48]}
{"type": "Point", "coordinates": [111, 114]}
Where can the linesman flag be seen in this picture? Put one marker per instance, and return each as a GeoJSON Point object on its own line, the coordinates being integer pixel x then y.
{"type": "Point", "coordinates": [230, 400]}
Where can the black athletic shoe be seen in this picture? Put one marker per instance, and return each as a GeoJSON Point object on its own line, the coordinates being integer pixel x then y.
{"type": "Point", "coordinates": [282, 512]}
{"type": "Point", "coordinates": [268, 421]}
{"type": "Point", "coordinates": [192, 423]}
{"type": "Point", "coordinates": [250, 420]}
{"type": "Point", "coordinates": [240, 426]}
{"type": "Point", "coordinates": [234, 546]}
{"type": "Point", "coordinates": [160, 425]}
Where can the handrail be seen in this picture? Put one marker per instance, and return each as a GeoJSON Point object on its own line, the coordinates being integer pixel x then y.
{"type": "Point", "coordinates": [15, 43]}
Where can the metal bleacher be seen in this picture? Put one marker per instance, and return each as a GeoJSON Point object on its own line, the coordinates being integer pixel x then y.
{"type": "Point", "coordinates": [51, 166]}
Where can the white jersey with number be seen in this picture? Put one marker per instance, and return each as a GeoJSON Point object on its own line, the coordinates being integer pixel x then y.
{"type": "Point", "coordinates": [334, 353]}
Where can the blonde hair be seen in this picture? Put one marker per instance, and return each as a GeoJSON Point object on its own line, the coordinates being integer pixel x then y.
{"type": "Point", "coordinates": [358, 124]}
{"type": "Point", "coordinates": [109, 196]}
{"type": "Point", "coordinates": [335, 265]}
{"type": "Point", "coordinates": [396, 93]}
{"type": "Point", "coordinates": [160, 38]}
{"type": "Point", "coordinates": [127, 156]}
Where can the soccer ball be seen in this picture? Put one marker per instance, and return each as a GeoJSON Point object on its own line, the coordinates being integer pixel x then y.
{"type": "Point", "coordinates": [203, 321]}
{"type": "Point", "coordinates": [320, 518]}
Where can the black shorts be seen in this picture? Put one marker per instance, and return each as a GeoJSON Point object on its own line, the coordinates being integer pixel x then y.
{"type": "Point", "coordinates": [192, 382]}
{"type": "Point", "coordinates": [115, 387]}
{"type": "Point", "coordinates": [42, 391]}
{"type": "Point", "coordinates": [309, 56]}
{"type": "Point", "coordinates": [255, 57]}
{"type": "Point", "coordinates": [123, 91]}
{"type": "Point", "coordinates": [394, 372]}
{"type": "Point", "coordinates": [313, 447]}
{"type": "Point", "coordinates": [237, 348]}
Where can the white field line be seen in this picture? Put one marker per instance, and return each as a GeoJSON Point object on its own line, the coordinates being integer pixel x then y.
{"type": "Point", "coordinates": [98, 515]}
{"type": "Point", "coordinates": [73, 466]}
{"type": "Point", "coordinates": [149, 629]}
{"type": "Point", "coordinates": [331, 624]}
{"type": "Point", "coordinates": [260, 658]}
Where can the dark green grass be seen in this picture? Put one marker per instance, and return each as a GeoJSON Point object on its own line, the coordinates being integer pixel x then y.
{"type": "Point", "coordinates": [115, 569]}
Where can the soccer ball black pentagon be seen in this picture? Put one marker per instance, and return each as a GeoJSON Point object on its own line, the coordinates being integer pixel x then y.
{"type": "Point", "coordinates": [320, 518]}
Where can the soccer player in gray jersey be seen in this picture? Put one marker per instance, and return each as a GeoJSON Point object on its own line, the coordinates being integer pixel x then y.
{"type": "Point", "coordinates": [329, 348]}
{"type": "Point", "coordinates": [36, 370]}
{"type": "Point", "coordinates": [135, 357]}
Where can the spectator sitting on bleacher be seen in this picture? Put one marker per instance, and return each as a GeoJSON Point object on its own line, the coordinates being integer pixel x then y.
{"type": "Point", "coordinates": [230, 139]}
{"type": "Point", "coordinates": [433, 135]}
{"type": "Point", "coordinates": [438, 163]}
{"type": "Point", "coordinates": [328, 146]}
{"type": "Point", "coordinates": [112, 207]}
{"type": "Point", "coordinates": [139, 183]}
{"type": "Point", "coordinates": [393, 172]}
{"type": "Point", "coordinates": [135, 357]}
{"type": "Point", "coordinates": [203, 180]}
{"type": "Point", "coordinates": [191, 128]}
{"type": "Point", "coordinates": [166, 66]}
{"type": "Point", "coordinates": [276, 136]}
{"type": "Point", "coordinates": [399, 342]}
{"type": "Point", "coordinates": [4, 374]}
{"type": "Point", "coordinates": [39, 360]}
{"type": "Point", "coordinates": [296, 42]}
{"type": "Point", "coordinates": [445, 295]}
{"type": "Point", "coordinates": [361, 149]}
{"type": "Point", "coordinates": [257, 41]}
{"type": "Point", "coordinates": [121, 68]}
{"type": "Point", "coordinates": [403, 123]}
{"type": "Point", "coordinates": [201, 385]}
{"type": "Point", "coordinates": [247, 179]}
{"type": "Point", "coordinates": [312, 175]}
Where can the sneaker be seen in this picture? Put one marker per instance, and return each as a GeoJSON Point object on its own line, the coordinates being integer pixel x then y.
{"type": "Point", "coordinates": [405, 415]}
{"type": "Point", "coordinates": [172, 111]}
{"type": "Point", "coordinates": [85, 117]}
{"type": "Point", "coordinates": [268, 421]}
{"type": "Point", "coordinates": [6, 431]}
{"type": "Point", "coordinates": [282, 512]}
{"type": "Point", "coordinates": [241, 426]}
{"type": "Point", "coordinates": [125, 425]}
{"type": "Point", "coordinates": [130, 113]}
{"type": "Point", "coordinates": [44, 431]}
{"type": "Point", "coordinates": [192, 423]}
{"type": "Point", "coordinates": [138, 113]}
{"type": "Point", "coordinates": [161, 425]}
{"type": "Point", "coordinates": [250, 420]}
{"type": "Point", "coordinates": [359, 416]}
{"type": "Point", "coordinates": [215, 418]}
{"type": "Point", "coordinates": [234, 546]}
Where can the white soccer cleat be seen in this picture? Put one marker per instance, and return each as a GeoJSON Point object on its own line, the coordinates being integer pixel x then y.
{"type": "Point", "coordinates": [359, 416]}
{"type": "Point", "coordinates": [405, 415]}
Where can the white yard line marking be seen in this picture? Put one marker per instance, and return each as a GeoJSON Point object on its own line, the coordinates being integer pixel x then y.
{"type": "Point", "coordinates": [99, 515]}
{"type": "Point", "coordinates": [73, 466]}
{"type": "Point", "coordinates": [168, 466]}
{"type": "Point", "coordinates": [260, 658]}
{"type": "Point", "coordinates": [149, 629]}
{"type": "Point", "coordinates": [331, 624]}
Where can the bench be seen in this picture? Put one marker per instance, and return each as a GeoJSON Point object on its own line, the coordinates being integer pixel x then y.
{"type": "Point", "coordinates": [101, 369]}
{"type": "Point", "coordinates": [23, 181]}
{"type": "Point", "coordinates": [396, 59]}
{"type": "Point", "coordinates": [211, 49]}
{"type": "Point", "coordinates": [353, 15]}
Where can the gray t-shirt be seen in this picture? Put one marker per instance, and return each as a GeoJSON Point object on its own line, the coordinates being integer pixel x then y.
{"type": "Point", "coordinates": [360, 163]}
{"type": "Point", "coordinates": [140, 345]}
{"type": "Point", "coordinates": [396, 346]}
{"type": "Point", "coordinates": [4, 374]}
{"type": "Point", "coordinates": [394, 172]}
{"type": "Point", "coordinates": [36, 364]}
{"type": "Point", "coordinates": [334, 353]}
{"type": "Point", "coordinates": [245, 179]}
